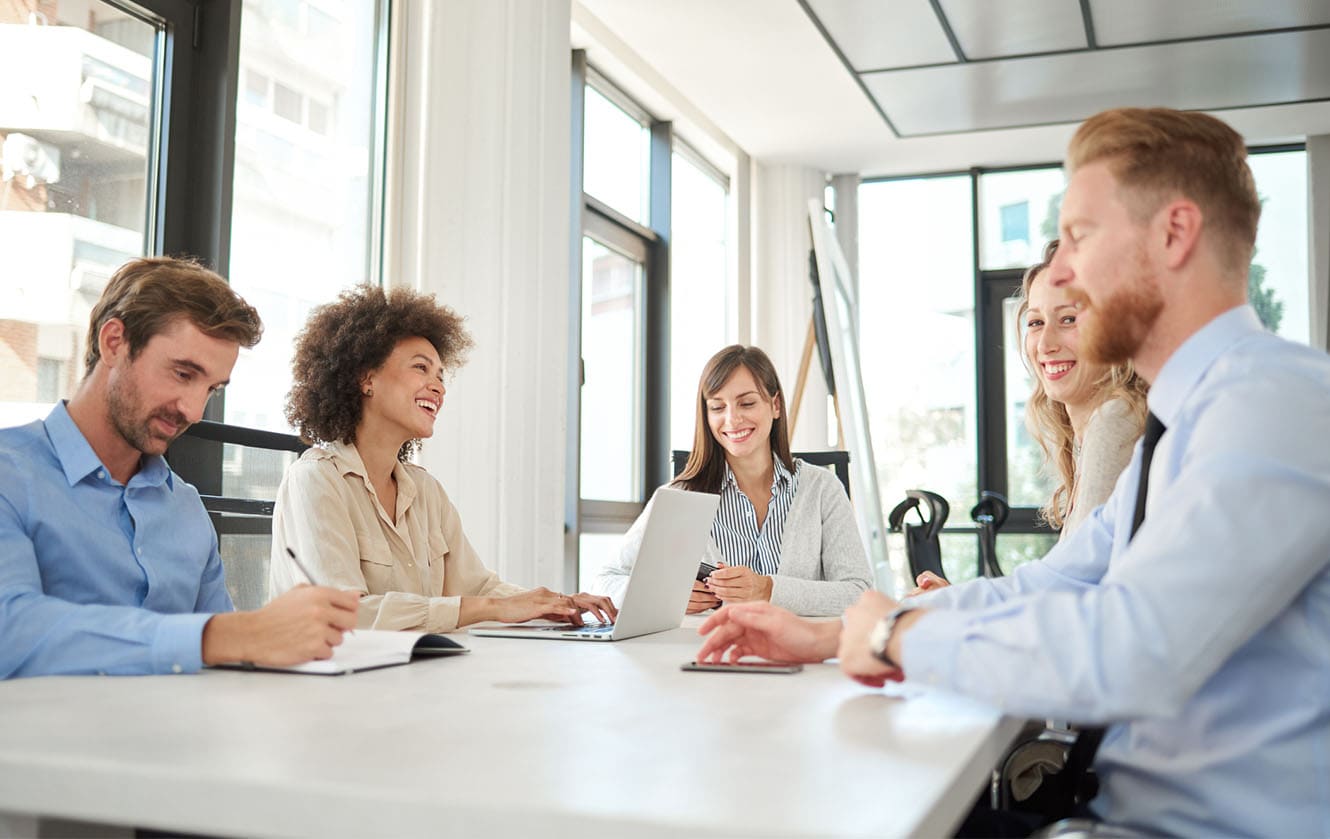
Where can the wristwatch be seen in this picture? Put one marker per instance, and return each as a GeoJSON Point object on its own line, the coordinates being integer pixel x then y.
{"type": "Point", "coordinates": [881, 636]}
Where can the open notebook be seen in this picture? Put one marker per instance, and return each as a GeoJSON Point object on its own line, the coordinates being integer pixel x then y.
{"type": "Point", "coordinates": [369, 649]}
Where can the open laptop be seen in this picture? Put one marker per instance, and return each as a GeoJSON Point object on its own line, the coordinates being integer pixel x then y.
{"type": "Point", "coordinates": [662, 578]}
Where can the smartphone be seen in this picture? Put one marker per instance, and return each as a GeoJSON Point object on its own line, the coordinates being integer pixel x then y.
{"type": "Point", "coordinates": [704, 570]}
{"type": "Point", "coordinates": [742, 667]}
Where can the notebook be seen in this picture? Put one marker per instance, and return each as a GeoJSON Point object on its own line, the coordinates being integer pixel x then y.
{"type": "Point", "coordinates": [676, 536]}
{"type": "Point", "coordinates": [370, 649]}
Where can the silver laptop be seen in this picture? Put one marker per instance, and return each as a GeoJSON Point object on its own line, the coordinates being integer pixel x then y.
{"type": "Point", "coordinates": [661, 580]}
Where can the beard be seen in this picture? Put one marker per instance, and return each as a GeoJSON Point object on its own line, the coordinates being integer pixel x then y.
{"type": "Point", "coordinates": [133, 423]}
{"type": "Point", "coordinates": [1120, 322]}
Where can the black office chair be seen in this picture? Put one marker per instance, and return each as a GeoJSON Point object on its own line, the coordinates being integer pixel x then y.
{"type": "Point", "coordinates": [923, 547]}
{"type": "Point", "coordinates": [990, 514]}
{"type": "Point", "coordinates": [237, 472]}
{"type": "Point", "coordinates": [837, 460]}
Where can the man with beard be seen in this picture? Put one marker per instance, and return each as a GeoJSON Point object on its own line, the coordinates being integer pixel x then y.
{"type": "Point", "coordinates": [108, 562]}
{"type": "Point", "coordinates": [1191, 613]}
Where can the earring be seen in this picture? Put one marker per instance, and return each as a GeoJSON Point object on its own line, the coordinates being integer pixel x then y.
{"type": "Point", "coordinates": [369, 391]}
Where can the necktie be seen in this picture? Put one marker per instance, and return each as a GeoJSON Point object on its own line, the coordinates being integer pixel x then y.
{"type": "Point", "coordinates": [1082, 753]}
{"type": "Point", "coordinates": [1154, 429]}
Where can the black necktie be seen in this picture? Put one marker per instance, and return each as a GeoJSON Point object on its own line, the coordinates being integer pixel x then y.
{"type": "Point", "coordinates": [1081, 756]}
{"type": "Point", "coordinates": [1154, 429]}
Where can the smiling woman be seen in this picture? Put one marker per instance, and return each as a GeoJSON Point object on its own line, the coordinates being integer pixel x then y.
{"type": "Point", "coordinates": [784, 531]}
{"type": "Point", "coordinates": [368, 386]}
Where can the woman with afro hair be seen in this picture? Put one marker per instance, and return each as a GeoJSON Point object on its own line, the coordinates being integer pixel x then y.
{"type": "Point", "coordinates": [367, 388]}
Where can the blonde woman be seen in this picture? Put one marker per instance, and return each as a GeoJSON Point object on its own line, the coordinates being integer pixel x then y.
{"type": "Point", "coordinates": [1085, 416]}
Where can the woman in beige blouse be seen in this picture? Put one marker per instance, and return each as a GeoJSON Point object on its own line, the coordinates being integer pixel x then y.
{"type": "Point", "coordinates": [367, 387]}
{"type": "Point", "coordinates": [1085, 416]}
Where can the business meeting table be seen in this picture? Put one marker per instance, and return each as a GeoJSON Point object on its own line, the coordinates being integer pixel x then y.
{"type": "Point", "coordinates": [518, 738]}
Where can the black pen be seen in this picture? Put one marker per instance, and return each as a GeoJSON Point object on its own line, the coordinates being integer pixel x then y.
{"type": "Point", "coordinates": [308, 576]}
{"type": "Point", "coordinates": [301, 566]}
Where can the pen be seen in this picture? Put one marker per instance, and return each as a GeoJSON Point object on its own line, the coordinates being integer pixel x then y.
{"type": "Point", "coordinates": [308, 576]}
{"type": "Point", "coordinates": [301, 566]}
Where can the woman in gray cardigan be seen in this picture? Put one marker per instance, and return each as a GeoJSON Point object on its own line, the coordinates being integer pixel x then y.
{"type": "Point", "coordinates": [784, 530]}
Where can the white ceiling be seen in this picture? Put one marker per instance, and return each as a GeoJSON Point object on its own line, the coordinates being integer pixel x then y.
{"type": "Point", "coordinates": [880, 87]}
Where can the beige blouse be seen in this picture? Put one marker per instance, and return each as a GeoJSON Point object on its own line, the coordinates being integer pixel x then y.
{"type": "Point", "coordinates": [413, 573]}
{"type": "Point", "coordinates": [1105, 450]}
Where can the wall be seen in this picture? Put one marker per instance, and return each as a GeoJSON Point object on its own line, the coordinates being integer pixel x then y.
{"type": "Point", "coordinates": [477, 213]}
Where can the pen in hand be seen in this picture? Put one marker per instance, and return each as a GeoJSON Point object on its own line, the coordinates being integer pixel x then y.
{"type": "Point", "coordinates": [308, 576]}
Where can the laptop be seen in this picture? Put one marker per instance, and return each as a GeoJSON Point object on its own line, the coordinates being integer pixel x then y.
{"type": "Point", "coordinates": [662, 578]}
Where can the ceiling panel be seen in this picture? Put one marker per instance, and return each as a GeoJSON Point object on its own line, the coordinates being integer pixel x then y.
{"type": "Point", "coordinates": [1138, 21]}
{"type": "Point", "coordinates": [1015, 27]}
{"type": "Point", "coordinates": [1209, 75]}
{"type": "Point", "coordinates": [876, 34]}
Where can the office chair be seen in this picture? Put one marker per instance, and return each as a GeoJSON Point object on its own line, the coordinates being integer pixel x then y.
{"type": "Point", "coordinates": [237, 472]}
{"type": "Point", "coordinates": [922, 545]}
{"type": "Point", "coordinates": [990, 514]}
{"type": "Point", "coordinates": [837, 460]}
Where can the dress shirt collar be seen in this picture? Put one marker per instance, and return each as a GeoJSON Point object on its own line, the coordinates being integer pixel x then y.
{"type": "Point", "coordinates": [78, 460]}
{"type": "Point", "coordinates": [1189, 362]}
{"type": "Point", "coordinates": [780, 476]}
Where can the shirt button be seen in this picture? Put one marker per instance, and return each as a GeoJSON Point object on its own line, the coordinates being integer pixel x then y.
{"type": "Point", "coordinates": [101, 474]}
{"type": "Point", "coordinates": [176, 668]}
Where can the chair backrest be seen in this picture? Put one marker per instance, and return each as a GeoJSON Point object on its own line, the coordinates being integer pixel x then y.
{"type": "Point", "coordinates": [837, 460]}
{"type": "Point", "coordinates": [923, 546]}
{"type": "Point", "coordinates": [990, 514]}
{"type": "Point", "coordinates": [237, 472]}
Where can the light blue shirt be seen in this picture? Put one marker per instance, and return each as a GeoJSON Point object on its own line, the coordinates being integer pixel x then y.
{"type": "Point", "coordinates": [96, 576]}
{"type": "Point", "coordinates": [1204, 641]}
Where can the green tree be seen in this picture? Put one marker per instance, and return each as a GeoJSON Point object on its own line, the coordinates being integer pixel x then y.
{"type": "Point", "coordinates": [1049, 229]}
{"type": "Point", "coordinates": [1268, 308]}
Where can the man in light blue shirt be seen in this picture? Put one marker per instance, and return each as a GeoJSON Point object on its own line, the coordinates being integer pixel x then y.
{"type": "Point", "coordinates": [108, 562]}
{"type": "Point", "coordinates": [1191, 613]}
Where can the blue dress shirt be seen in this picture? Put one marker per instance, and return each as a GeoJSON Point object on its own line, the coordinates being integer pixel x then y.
{"type": "Point", "coordinates": [1205, 641]}
{"type": "Point", "coordinates": [96, 576]}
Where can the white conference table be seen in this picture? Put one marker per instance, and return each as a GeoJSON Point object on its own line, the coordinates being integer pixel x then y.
{"type": "Point", "coordinates": [518, 738]}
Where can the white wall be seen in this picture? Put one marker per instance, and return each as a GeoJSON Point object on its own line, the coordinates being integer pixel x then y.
{"type": "Point", "coordinates": [477, 213]}
{"type": "Point", "coordinates": [782, 297]}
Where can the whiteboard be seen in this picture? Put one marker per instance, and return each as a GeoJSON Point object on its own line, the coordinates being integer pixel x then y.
{"type": "Point", "coordinates": [840, 305]}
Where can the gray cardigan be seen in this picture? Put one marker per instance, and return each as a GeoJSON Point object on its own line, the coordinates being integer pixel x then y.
{"type": "Point", "coordinates": [823, 566]}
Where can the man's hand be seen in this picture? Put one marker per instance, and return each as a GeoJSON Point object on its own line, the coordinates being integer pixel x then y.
{"type": "Point", "coordinates": [701, 599]}
{"type": "Point", "coordinates": [303, 624]}
{"type": "Point", "coordinates": [739, 584]}
{"type": "Point", "coordinates": [855, 653]}
{"type": "Point", "coordinates": [766, 631]}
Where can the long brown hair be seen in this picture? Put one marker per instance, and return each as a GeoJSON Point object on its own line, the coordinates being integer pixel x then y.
{"type": "Point", "coordinates": [705, 470]}
{"type": "Point", "coordinates": [1047, 419]}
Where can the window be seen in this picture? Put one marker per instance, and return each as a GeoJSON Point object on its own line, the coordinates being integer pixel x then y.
{"type": "Point", "coordinates": [75, 185]}
{"type": "Point", "coordinates": [916, 286]}
{"type": "Point", "coordinates": [699, 282]}
{"type": "Point", "coordinates": [301, 225]}
{"type": "Point", "coordinates": [1277, 284]}
{"type": "Point", "coordinates": [1016, 223]}
{"type": "Point", "coordinates": [617, 156]}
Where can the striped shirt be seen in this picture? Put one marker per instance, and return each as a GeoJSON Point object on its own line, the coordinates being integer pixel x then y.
{"type": "Point", "coordinates": [735, 530]}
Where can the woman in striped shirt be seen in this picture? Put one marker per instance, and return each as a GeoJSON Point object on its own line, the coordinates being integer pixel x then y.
{"type": "Point", "coordinates": [784, 531]}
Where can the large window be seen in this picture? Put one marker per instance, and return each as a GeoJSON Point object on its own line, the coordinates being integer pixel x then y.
{"type": "Point", "coordinates": [654, 290]}
{"type": "Point", "coordinates": [76, 136]}
{"type": "Point", "coordinates": [306, 125]}
{"type": "Point", "coordinates": [699, 282]}
{"type": "Point", "coordinates": [943, 368]}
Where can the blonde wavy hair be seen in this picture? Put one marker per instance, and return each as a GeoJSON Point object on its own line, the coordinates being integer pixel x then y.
{"type": "Point", "coordinates": [1047, 419]}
